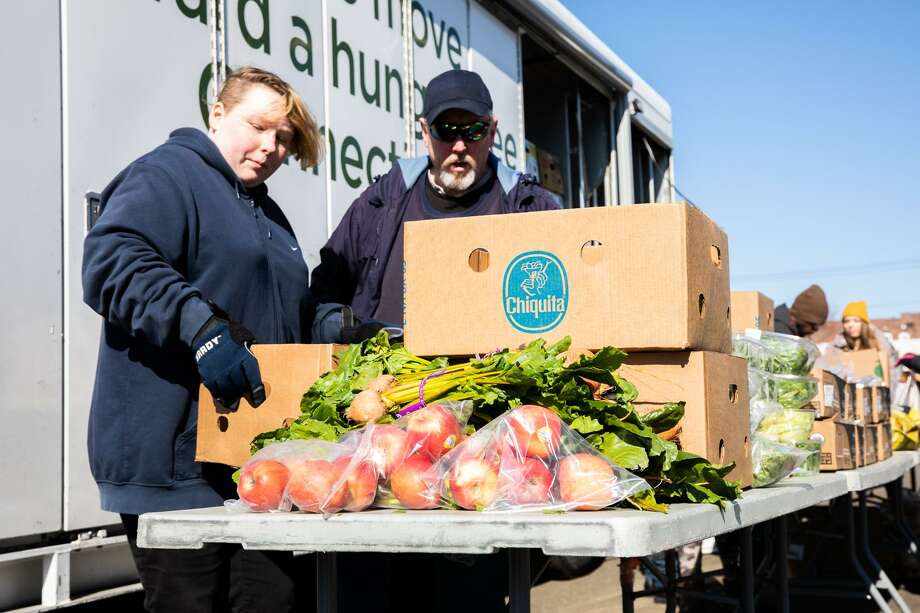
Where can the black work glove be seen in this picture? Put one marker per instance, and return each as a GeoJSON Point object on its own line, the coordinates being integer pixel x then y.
{"type": "Point", "coordinates": [911, 361]}
{"type": "Point", "coordinates": [354, 331]}
{"type": "Point", "coordinates": [227, 367]}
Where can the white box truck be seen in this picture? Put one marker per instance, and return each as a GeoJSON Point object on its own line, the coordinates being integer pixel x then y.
{"type": "Point", "coordinates": [89, 85]}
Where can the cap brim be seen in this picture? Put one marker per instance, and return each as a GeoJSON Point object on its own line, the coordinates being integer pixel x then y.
{"type": "Point", "coordinates": [480, 109]}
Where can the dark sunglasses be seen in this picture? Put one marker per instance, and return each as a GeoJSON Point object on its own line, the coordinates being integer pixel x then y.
{"type": "Point", "coordinates": [470, 132]}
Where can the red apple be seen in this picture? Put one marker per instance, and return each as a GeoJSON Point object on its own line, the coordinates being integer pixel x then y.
{"type": "Point", "coordinates": [433, 430]}
{"type": "Point", "coordinates": [262, 484]}
{"type": "Point", "coordinates": [314, 487]}
{"type": "Point", "coordinates": [536, 431]}
{"type": "Point", "coordinates": [587, 480]}
{"type": "Point", "coordinates": [389, 446]}
{"type": "Point", "coordinates": [474, 482]}
{"type": "Point", "coordinates": [360, 482]}
{"type": "Point", "coordinates": [526, 481]}
{"type": "Point", "coordinates": [412, 485]}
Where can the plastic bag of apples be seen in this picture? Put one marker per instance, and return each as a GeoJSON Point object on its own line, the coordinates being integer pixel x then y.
{"type": "Point", "coordinates": [326, 477]}
{"type": "Point", "coordinates": [527, 459]}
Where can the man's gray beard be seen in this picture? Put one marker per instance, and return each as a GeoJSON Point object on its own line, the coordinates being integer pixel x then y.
{"type": "Point", "coordinates": [455, 185]}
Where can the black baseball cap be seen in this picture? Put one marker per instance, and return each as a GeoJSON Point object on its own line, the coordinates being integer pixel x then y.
{"type": "Point", "coordinates": [456, 89]}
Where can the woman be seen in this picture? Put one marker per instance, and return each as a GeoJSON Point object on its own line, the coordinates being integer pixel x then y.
{"type": "Point", "coordinates": [185, 228]}
{"type": "Point", "coordinates": [859, 334]}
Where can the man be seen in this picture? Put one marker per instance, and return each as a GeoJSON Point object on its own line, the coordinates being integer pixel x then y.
{"type": "Point", "coordinates": [359, 287]}
{"type": "Point", "coordinates": [806, 316]}
{"type": "Point", "coordinates": [362, 263]}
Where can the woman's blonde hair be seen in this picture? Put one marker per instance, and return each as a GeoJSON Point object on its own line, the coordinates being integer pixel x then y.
{"type": "Point", "coordinates": [307, 144]}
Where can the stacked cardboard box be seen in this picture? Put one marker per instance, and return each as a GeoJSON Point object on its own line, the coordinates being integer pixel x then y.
{"type": "Point", "coordinates": [652, 280]}
{"type": "Point", "coordinates": [865, 409]}
{"type": "Point", "coordinates": [751, 310]}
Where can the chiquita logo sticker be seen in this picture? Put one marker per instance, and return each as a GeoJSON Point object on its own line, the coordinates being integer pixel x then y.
{"type": "Point", "coordinates": [535, 292]}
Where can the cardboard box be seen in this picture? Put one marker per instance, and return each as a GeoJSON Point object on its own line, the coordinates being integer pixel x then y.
{"type": "Point", "coordinates": [883, 440]}
{"type": "Point", "coordinates": [716, 421]}
{"type": "Point", "coordinates": [287, 372]}
{"type": "Point", "coordinates": [550, 172]}
{"type": "Point", "coordinates": [881, 404]}
{"type": "Point", "coordinates": [751, 310]}
{"type": "Point", "coordinates": [849, 403]}
{"type": "Point", "coordinates": [839, 450]}
{"type": "Point", "coordinates": [639, 277]}
{"type": "Point", "coordinates": [863, 404]}
{"type": "Point", "coordinates": [865, 363]}
{"type": "Point", "coordinates": [829, 400]}
{"type": "Point", "coordinates": [870, 443]}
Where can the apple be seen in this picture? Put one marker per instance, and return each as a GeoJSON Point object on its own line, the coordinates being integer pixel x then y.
{"type": "Point", "coordinates": [262, 484]}
{"type": "Point", "coordinates": [433, 430]}
{"type": "Point", "coordinates": [526, 481]}
{"type": "Point", "coordinates": [474, 482]}
{"type": "Point", "coordinates": [587, 480]}
{"type": "Point", "coordinates": [411, 483]}
{"type": "Point", "coordinates": [536, 431]}
{"type": "Point", "coordinates": [389, 445]}
{"type": "Point", "coordinates": [314, 487]}
{"type": "Point", "coordinates": [360, 482]}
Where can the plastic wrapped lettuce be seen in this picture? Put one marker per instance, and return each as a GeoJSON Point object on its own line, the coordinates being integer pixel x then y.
{"type": "Point", "coordinates": [755, 353]}
{"type": "Point", "coordinates": [812, 464]}
{"type": "Point", "coordinates": [787, 426]}
{"type": "Point", "coordinates": [790, 391]}
{"type": "Point", "coordinates": [789, 354]}
{"type": "Point", "coordinates": [774, 460]}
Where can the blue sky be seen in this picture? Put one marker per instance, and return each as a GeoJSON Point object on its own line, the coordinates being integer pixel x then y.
{"type": "Point", "coordinates": [797, 129]}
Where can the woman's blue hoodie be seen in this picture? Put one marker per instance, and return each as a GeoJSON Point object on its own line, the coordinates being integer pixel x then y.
{"type": "Point", "coordinates": [177, 228]}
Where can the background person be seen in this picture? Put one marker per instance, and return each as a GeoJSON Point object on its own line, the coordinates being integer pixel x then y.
{"type": "Point", "coordinates": [362, 263]}
{"type": "Point", "coordinates": [361, 276]}
{"type": "Point", "coordinates": [859, 333]}
{"type": "Point", "coordinates": [806, 315]}
{"type": "Point", "coordinates": [186, 224]}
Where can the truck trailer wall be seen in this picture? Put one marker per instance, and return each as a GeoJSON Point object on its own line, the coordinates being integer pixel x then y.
{"type": "Point", "coordinates": [132, 72]}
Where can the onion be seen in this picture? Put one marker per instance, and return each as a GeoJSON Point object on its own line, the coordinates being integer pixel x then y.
{"type": "Point", "coordinates": [366, 406]}
{"type": "Point", "coordinates": [382, 383]}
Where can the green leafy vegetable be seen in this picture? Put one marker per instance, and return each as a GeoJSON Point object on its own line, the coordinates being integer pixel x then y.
{"type": "Point", "coordinates": [535, 374]}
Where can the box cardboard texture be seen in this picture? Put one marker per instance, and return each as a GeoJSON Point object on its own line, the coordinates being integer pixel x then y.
{"type": "Point", "coordinates": [883, 440]}
{"type": "Point", "coordinates": [863, 406]}
{"type": "Point", "coordinates": [881, 404]}
{"type": "Point", "coordinates": [287, 372]}
{"type": "Point", "coordinates": [839, 450]}
{"type": "Point", "coordinates": [849, 403]}
{"type": "Point", "coordinates": [638, 277]}
{"type": "Point", "coordinates": [829, 400]}
{"type": "Point", "coordinates": [870, 442]}
{"type": "Point", "coordinates": [864, 363]}
{"type": "Point", "coordinates": [751, 310]}
{"type": "Point", "coordinates": [716, 421]}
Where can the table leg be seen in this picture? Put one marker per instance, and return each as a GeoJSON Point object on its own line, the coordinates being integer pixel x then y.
{"type": "Point", "coordinates": [747, 570]}
{"type": "Point", "coordinates": [627, 577]}
{"type": "Point", "coordinates": [854, 558]}
{"type": "Point", "coordinates": [782, 563]}
{"type": "Point", "coordinates": [672, 572]}
{"type": "Point", "coordinates": [519, 580]}
{"type": "Point", "coordinates": [326, 583]}
{"type": "Point", "coordinates": [882, 578]}
{"type": "Point", "coordinates": [897, 506]}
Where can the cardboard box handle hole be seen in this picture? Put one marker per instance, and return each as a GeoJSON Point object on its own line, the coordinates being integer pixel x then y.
{"type": "Point", "coordinates": [479, 260]}
{"type": "Point", "coordinates": [223, 423]}
{"type": "Point", "coordinates": [733, 393]}
{"type": "Point", "coordinates": [701, 304]}
{"type": "Point", "coordinates": [721, 451]}
{"type": "Point", "coordinates": [715, 254]}
{"type": "Point", "coordinates": [591, 252]}
{"type": "Point", "coordinates": [728, 313]}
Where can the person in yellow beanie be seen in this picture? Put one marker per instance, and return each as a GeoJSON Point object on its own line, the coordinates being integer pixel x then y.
{"type": "Point", "coordinates": [858, 333]}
